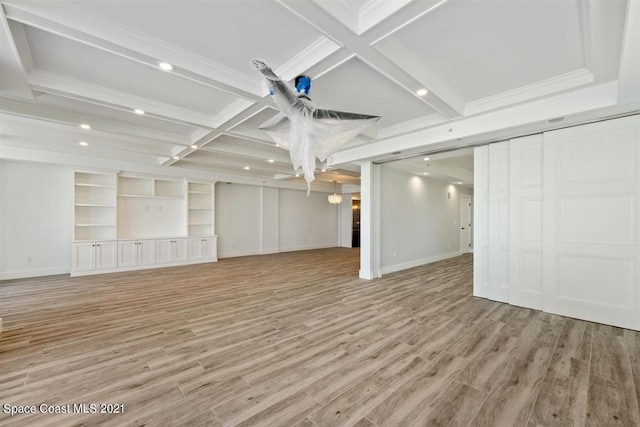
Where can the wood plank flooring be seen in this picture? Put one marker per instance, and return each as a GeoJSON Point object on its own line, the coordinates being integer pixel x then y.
{"type": "Point", "coordinates": [297, 339]}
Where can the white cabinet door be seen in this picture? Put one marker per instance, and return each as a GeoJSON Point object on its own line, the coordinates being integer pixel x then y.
{"type": "Point", "coordinates": [83, 256]}
{"type": "Point", "coordinates": [106, 255]}
{"type": "Point", "coordinates": [146, 252]}
{"type": "Point", "coordinates": [164, 251]}
{"type": "Point", "coordinates": [195, 248]}
{"type": "Point", "coordinates": [127, 253]}
{"type": "Point", "coordinates": [209, 248]}
{"type": "Point", "coordinates": [180, 250]}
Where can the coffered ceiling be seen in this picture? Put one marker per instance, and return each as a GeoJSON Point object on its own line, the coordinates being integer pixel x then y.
{"type": "Point", "coordinates": [492, 68]}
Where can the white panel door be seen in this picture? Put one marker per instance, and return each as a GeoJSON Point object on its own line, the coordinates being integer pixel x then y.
{"type": "Point", "coordinates": [525, 221]}
{"type": "Point", "coordinates": [83, 256]}
{"type": "Point", "coordinates": [590, 210]}
{"type": "Point", "coordinates": [146, 252]}
{"type": "Point", "coordinates": [127, 253]}
{"type": "Point", "coordinates": [106, 255]}
{"type": "Point", "coordinates": [499, 221]}
{"type": "Point", "coordinates": [481, 222]}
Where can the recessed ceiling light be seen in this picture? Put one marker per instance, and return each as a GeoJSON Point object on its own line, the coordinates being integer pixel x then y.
{"type": "Point", "coordinates": [138, 111]}
{"type": "Point", "coordinates": [425, 173]}
{"type": "Point", "coordinates": [421, 92]}
{"type": "Point", "coordinates": [323, 170]}
{"type": "Point", "coordinates": [426, 159]}
{"type": "Point", "coordinates": [193, 146]}
{"type": "Point", "coordinates": [176, 158]}
{"type": "Point", "coordinates": [459, 182]}
{"type": "Point", "coordinates": [83, 143]}
{"type": "Point", "coordinates": [247, 168]}
{"type": "Point", "coordinates": [270, 160]}
{"type": "Point", "coordinates": [277, 145]}
{"type": "Point", "coordinates": [165, 66]}
{"type": "Point", "coordinates": [85, 126]}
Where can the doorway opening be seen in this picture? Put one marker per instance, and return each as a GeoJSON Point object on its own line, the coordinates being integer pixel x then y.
{"type": "Point", "coordinates": [355, 227]}
{"type": "Point", "coordinates": [465, 224]}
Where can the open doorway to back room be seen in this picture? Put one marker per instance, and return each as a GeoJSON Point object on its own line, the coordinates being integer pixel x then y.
{"type": "Point", "coordinates": [355, 227]}
{"type": "Point", "coordinates": [426, 209]}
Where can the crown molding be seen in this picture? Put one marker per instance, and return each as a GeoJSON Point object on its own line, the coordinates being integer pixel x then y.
{"type": "Point", "coordinates": [396, 52]}
{"type": "Point", "coordinates": [412, 125]}
{"type": "Point", "coordinates": [230, 111]}
{"type": "Point", "coordinates": [532, 91]}
{"type": "Point", "coordinates": [77, 89]}
{"type": "Point", "coordinates": [308, 57]}
{"type": "Point", "coordinates": [22, 46]}
{"type": "Point", "coordinates": [15, 59]}
{"type": "Point", "coordinates": [343, 11]}
{"type": "Point", "coordinates": [376, 11]}
{"type": "Point", "coordinates": [576, 106]}
{"type": "Point", "coordinates": [629, 70]}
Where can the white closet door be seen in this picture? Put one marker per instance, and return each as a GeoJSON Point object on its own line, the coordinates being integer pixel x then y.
{"type": "Point", "coordinates": [590, 210]}
{"type": "Point", "coordinates": [499, 221]}
{"type": "Point", "coordinates": [481, 222]}
{"type": "Point", "coordinates": [525, 219]}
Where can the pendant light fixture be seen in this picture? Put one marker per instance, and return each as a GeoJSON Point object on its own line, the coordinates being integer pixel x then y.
{"type": "Point", "coordinates": [335, 198]}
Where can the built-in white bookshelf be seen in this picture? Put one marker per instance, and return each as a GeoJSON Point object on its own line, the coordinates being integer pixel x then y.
{"type": "Point", "coordinates": [200, 209]}
{"type": "Point", "coordinates": [127, 222]}
{"type": "Point", "coordinates": [94, 206]}
{"type": "Point", "coordinates": [150, 187]}
{"type": "Point", "coordinates": [151, 207]}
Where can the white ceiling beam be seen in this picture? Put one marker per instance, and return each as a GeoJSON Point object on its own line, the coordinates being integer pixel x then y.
{"type": "Point", "coordinates": [325, 23]}
{"type": "Point", "coordinates": [504, 122]}
{"type": "Point", "coordinates": [50, 133]}
{"type": "Point", "coordinates": [556, 84]}
{"type": "Point", "coordinates": [71, 22]}
{"type": "Point", "coordinates": [72, 88]}
{"type": "Point", "coordinates": [47, 114]}
{"type": "Point", "coordinates": [93, 162]}
{"type": "Point", "coordinates": [629, 75]}
{"type": "Point", "coordinates": [99, 149]}
{"type": "Point", "coordinates": [14, 82]}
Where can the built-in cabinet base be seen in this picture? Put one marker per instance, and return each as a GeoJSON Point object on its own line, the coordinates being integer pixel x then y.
{"type": "Point", "coordinates": [99, 257]}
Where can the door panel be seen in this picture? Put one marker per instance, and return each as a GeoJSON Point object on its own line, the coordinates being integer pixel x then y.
{"type": "Point", "coordinates": [591, 216]}
{"type": "Point", "coordinates": [525, 219]}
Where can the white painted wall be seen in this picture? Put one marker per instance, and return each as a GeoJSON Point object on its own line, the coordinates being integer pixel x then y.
{"type": "Point", "coordinates": [254, 220]}
{"type": "Point", "coordinates": [36, 210]}
{"type": "Point", "coordinates": [237, 218]}
{"type": "Point", "coordinates": [307, 222]}
{"type": "Point", "coordinates": [419, 223]}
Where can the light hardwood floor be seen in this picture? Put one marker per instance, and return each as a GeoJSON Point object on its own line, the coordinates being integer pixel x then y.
{"type": "Point", "coordinates": [297, 339]}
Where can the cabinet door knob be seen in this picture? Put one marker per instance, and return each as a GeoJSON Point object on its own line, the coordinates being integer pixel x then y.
{"type": "Point", "coordinates": [93, 246]}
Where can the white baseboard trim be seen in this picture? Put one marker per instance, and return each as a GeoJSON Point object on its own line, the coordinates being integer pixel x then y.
{"type": "Point", "coordinates": [234, 254]}
{"type": "Point", "coordinates": [417, 263]}
{"type": "Point", "coordinates": [307, 248]}
{"type": "Point", "coordinates": [367, 274]}
{"type": "Point", "coordinates": [23, 274]}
